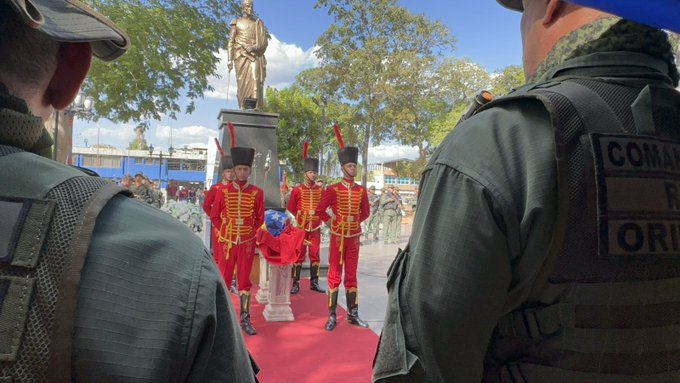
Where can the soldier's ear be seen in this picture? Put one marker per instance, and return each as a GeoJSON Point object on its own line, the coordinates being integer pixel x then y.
{"type": "Point", "coordinates": [552, 11]}
{"type": "Point", "coordinates": [72, 67]}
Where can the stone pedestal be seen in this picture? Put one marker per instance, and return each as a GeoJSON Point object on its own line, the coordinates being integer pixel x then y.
{"type": "Point", "coordinates": [256, 130]}
{"type": "Point", "coordinates": [278, 309]}
{"type": "Point", "coordinates": [262, 295]}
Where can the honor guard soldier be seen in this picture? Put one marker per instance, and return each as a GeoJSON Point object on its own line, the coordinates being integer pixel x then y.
{"type": "Point", "coordinates": [302, 205]}
{"type": "Point", "coordinates": [349, 204]}
{"type": "Point", "coordinates": [545, 245]}
{"type": "Point", "coordinates": [216, 190]}
{"type": "Point", "coordinates": [372, 225]}
{"type": "Point", "coordinates": [238, 213]}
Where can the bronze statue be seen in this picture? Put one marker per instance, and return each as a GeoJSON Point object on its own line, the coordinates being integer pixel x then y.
{"type": "Point", "coordinates": [248, 39]}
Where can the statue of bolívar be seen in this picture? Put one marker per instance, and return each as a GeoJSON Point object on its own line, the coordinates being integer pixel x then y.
{"type": "Point", "coordinates": [248, 39]}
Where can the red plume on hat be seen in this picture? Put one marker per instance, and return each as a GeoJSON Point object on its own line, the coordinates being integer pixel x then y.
{"type": "Point", "coordinates": [219, 147]}
{"type": "Point", "coordinates": [310, 164]}
{"type": "Point", "coordinates": [338, 135]}
{"type": "Point", "coordinates": [231, 133]}
{"type": "Point", "coordinates": [239, 155]}
{"type": "Point", "coordinates": [346, 154]}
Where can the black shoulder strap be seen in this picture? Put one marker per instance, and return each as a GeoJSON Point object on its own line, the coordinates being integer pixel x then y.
{"type": "Point", "coordinates": [62, 332]}
{"type": "Point", "coordinates": [592, 114]}
{"type": "Point", "coordinates": [592, 110]}
{"type": "Point", "coordinates": [574, 109]}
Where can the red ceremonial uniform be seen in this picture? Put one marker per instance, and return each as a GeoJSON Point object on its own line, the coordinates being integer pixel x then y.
{"type": "Point", "coordinates": [238, 212]}
{"type": "Point", "coordinates": [302, 204]}
{"type": "Point", "coordinates": [349, 203]}
{"type": "Point", "coordinates": [218, 251]}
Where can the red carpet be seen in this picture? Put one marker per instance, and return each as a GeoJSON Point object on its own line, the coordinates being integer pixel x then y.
{"type": "Point", "coordinates": [302, 351]}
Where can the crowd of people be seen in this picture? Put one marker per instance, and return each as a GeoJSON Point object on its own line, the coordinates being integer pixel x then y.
{"type": "Point", "coordinates": [145, 189]}
{"type": "Point", "coordinates": [544, 247]}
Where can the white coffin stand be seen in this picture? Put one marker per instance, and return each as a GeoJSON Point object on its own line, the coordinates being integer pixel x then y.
{"type": "Point", "coordinates": [278, 298]}
{"type": "Point", "coordinates": [262, 295]}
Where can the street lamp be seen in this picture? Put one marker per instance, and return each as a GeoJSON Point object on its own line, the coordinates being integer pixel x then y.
{"type": "Point", "coordinates": [80, 105]}
{"type": "Point", "coordinates": [171, 151]}
{"type": "Point", "coordinates": [322, 102]}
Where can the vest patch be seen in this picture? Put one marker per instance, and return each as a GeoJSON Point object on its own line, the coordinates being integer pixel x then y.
{"type": "Point", "coordinates": [23, 230]}
{"type": "Point", "coordinates": [638, 194]}
{"type": "Point", "coordinates": [13, 213]}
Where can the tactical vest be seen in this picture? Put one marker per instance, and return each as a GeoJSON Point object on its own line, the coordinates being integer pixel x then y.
{"type": "Point", "coordinates": [605, 306]}
{"type": "Point", "coordinates": [47, 216]}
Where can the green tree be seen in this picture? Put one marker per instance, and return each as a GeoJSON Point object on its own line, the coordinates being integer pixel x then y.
{"type": "Point", "coordinates": [298, 122]}
{"type": "Point", "coordinates": [461, 79]}
{"type": "Point", "coordinates": [364, 51]}
{"type": "Point", "coordinates": [173, 45]}
{"type": "Point", "coordinates": [507, 79]}
{"type": "Point", "coordinates": [464, 80]}
{"type": "Point", "coordinates": [410, 169]}
{"type": "Point", "coordinates": [322, 88]}
{"type": "Point", "coordinates": [427, 95]}
{"type": "Point", "coordinates": [139, 143]}
{"type": "Point", "coordinates": [442, 127]}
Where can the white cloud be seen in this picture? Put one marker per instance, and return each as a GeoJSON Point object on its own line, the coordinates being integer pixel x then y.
{"type": "Point", "coordinates": [125, 133]}
{"type": "Point", "coordinates": [385, 153]}
{"type": "Point", "coordinates": [189, 136]}
{"type": "Point", "coordinates": [284, 62]}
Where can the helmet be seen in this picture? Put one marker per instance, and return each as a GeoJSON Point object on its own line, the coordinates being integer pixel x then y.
{"type": "Point", "coordinates": [515, 5]}
{"type": "Point", "coordinates": [73, 21]}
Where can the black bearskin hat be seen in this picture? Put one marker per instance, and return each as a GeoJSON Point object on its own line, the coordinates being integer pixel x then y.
{"type": "Point", "coordinates": [226, 162]}
{"type": "Point", "coordinates": [242, 156]}
{"type": "Point", "coordinates": [348, 154]}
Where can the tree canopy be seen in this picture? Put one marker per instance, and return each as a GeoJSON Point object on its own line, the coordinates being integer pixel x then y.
{"type": "Point", "coordinates": [173, 46]}
{"type": "Point", "coordinates": [365, 51]}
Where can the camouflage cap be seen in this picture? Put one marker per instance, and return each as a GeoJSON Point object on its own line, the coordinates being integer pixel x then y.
{"type": "Point", "coordinates": [75, 22]}
{"type": "Point", "coordinates": [515, 5]}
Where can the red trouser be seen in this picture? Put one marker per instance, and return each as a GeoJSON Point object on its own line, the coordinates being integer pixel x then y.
{"type": "Point", "coordinates": [314, 237]}
{"type": "Point", "coordinates": [241, 255]}
{"type": "Point", "coordinates": [350, 260]}
{"type": "Point", "coordinates": [218, 254]}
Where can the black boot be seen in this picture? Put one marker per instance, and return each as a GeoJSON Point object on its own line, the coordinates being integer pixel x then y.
{"type": "Point", "coordinates": [245, 313]}
{"type": "Point", "coordinates": [314, 279]}
{"type": "Point", "coordinates": [353, 309]}
{"type": "Point", "coordinates": [332, 304]}
{"type": "Point", "coordinates": [297, 268]}
{"type": "Point", "coordinates": [234, 288]}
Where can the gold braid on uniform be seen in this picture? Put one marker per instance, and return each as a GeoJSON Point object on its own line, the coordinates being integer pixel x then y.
{"type": "Point", "coordinates": [633, 37]}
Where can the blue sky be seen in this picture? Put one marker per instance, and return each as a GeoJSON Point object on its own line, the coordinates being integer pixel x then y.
{"type": "Point", "coordinates": [486, 32]}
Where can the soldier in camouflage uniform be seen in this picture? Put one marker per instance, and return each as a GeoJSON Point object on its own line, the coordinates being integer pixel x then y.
{"type": "Point", "coordinates": [373, 222]}
{"type": "Point", "coordinates": [141, 190]}
{"type": "Point", "coordinates": [544, 247]}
